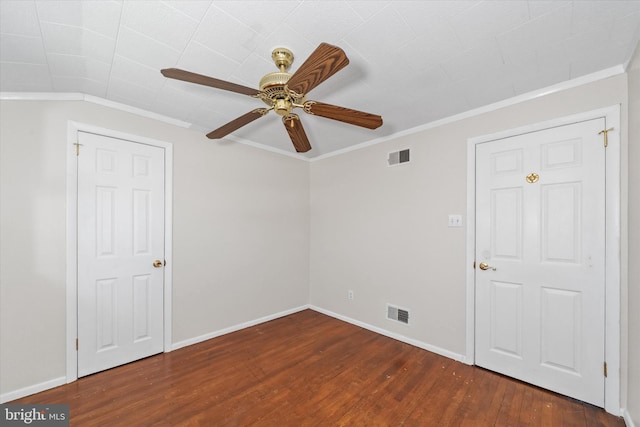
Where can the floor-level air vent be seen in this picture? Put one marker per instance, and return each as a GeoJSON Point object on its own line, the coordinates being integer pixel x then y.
{"type": "Point", "coordinates": [398, 314]}
{"type": "Point", "coordinates": [398, 157]}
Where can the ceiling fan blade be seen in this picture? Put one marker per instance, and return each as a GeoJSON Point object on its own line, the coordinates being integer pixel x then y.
{"type": "Point", "coordinates": [342, 114]}
{"type": "Point", "coordinates": [323, 63]}
{"type": "Point", "coordinates": [237, 123]}
{"type": "Point", "coordinates": [296, 132]}
{"type": "Point", "coordinates": [188, 76]}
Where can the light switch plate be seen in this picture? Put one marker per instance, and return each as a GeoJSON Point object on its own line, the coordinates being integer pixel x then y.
{"type": "Point", "coordinates": [455, 220]}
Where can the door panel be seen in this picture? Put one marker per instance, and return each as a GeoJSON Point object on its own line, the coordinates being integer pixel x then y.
{"type": "Point", "coordinates": [506, 210]}
{"type": "Point", "coordinates": [141, 300]}
{"type": "Point", "coordinates": [506, 318]}
{"type": "Point", "coordinates": [561, 228]}
{"type": "Point", "coordinates": [560, 342]}
{"type": "Point", "coordinates": [540, 223]}
{"type": "Point", "coordinates": [106, 314]}
{"type": "Point", "coordinates": [120, 234]}
{"type": "Point", "coordinates": [141, 222]}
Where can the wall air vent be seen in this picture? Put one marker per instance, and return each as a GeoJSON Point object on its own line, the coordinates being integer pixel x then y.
{"type": "Point", "coordinates": [398, 157]}
{"type": "Point", "coordinates": [398, 314]}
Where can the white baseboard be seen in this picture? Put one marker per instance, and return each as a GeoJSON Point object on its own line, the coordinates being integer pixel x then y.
{"type": "Point", "coordinates": [32, 389]}
{"type": "Point", "coordinates": [627, 418]}
{"type": "Point", "coordinates": [214, 334]}
{"type": "Point", "coordinates": [402, 338]}
{"type": "Point", "coordinates": [37, 388]}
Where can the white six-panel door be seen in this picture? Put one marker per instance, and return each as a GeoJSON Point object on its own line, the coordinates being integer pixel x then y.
{"type": "Point", "coordinates": [120, 235]}
{"type": "Point", "coordinates": [540, 223]}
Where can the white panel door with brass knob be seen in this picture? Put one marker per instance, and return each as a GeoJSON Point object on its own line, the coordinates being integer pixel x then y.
{"type": "Point", "coordinates": [540, 246]}
{"type": "Point", "coordinates": [120, 251]}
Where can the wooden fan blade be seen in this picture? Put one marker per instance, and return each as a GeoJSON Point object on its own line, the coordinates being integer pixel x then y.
{"type": "Point", "coordinates": [237, 123]}
{"type": "Point", "coordinates": [323, 63]}
{"type": "Point", "coordinates": [342, 114]}
{"type": "Point", "coordinates": [296, 132]}
{"type": "Point", "coordinates": [188, 76]}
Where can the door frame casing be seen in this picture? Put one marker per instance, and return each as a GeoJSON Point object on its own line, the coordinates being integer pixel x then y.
{"type": "Point", "coordinates": [612, 242]}
{"type": "Point", "coordinates": [73, 128]}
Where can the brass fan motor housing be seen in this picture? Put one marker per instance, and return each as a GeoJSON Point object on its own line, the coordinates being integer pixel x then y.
{"type": "Point", "coordinates": [272, 85]}
{"type": "Point", "coordinates": [275, 79]}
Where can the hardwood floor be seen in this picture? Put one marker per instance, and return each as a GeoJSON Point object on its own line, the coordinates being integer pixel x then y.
{"type": "Point", "coordinates": [309, 369]}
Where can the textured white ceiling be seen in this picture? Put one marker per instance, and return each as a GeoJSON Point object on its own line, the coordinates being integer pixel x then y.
{"type": "Point", "coordinates": [412, 62]}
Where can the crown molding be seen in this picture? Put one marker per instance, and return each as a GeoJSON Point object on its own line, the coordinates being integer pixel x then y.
{"type": "Point", "coordinates": [559, 87]}
{"type": "Point", "coordinates": [578, 81]}
{"type": "Point", "coordinates": [73, 96]}
{"type": "Point", "coordinates": [41, 96]}
{"type": "Point", "coordinates": [136, 110]}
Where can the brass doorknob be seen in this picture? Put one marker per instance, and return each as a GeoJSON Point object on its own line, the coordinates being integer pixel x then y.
{"type": "Point", "coordinates": [157, 263]}
{"type": "Point", "coordinates": [485, 266]}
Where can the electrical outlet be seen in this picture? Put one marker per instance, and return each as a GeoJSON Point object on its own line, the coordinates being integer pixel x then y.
{"type": "Point", "coordinates": [350, 294]}
{"type": "Point", "coordinates": [455, 220]}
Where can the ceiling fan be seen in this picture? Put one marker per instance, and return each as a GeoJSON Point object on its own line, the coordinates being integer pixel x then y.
{"type": "Point", "coordinates": [283, 92]}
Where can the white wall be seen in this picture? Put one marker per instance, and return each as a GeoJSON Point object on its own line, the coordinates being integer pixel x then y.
{"type": "Point", "coordinates": [382, 231]}
{"type": "Point", "coordinates": [241, 232]}
{"type": "Point", "coordinates": [633, 386]}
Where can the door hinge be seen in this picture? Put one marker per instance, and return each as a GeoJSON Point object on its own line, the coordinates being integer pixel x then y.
{"type": "Point", "coordinates": [77, 144]}
{"type": "Point", "coordinates": [605, 132]}
{"type": "Point", "coordinates": [76, 344]}
{"type": "Point", "coordinates": [474, 265]}
{"type": "Point", "coordinates": [605, 369]}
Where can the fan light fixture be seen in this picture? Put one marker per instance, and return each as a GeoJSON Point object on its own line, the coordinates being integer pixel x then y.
{"type": "Point", "coordinates": [272, 85]}
{"type": "Point", "coordinates": [282, 92]}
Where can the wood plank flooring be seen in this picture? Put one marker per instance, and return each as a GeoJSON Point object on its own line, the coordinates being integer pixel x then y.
{"type": "Point", "coordinates": [308, 369]}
